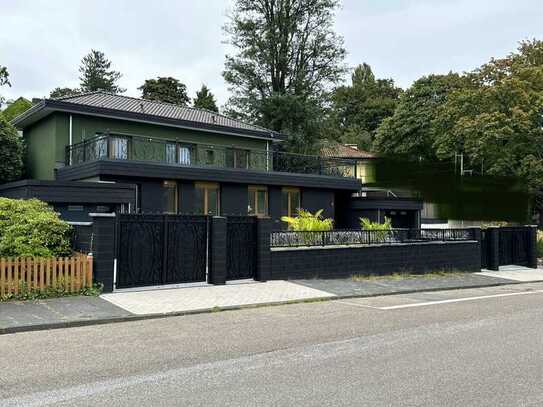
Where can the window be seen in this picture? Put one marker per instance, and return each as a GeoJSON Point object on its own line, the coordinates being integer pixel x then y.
{"type": "Point", "coordinates": [178, 154]}
{"type": "Point", "coordinates": [290, 201]}
{"type": "Point", "coordinates": [118, 148]}
{"type": "Point", "coordinates": [100, 147]}
{"type": "Point", "coordinates": [210, 157]}
{"type": "Point", "coordinates": [170, 196]}
{"type": "Point", "coordinates": [237, 158]}
{"type": "Point", "coordinates": [258, 201]}
{"type": "Point", "coordinates": [207, 198]}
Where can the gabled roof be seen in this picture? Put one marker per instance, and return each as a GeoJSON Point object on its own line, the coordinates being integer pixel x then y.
{"type": "Point", "coordinates": [129, 108]}
{"type": "Point", "coordinates": [333, 149]}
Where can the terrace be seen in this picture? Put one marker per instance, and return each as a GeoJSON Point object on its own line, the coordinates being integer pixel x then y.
{"type": "Point", "coordinates": [188, 154]}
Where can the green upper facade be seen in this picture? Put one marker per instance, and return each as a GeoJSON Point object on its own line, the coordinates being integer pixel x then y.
{"type": "Point", "coordinates": [100, 126]}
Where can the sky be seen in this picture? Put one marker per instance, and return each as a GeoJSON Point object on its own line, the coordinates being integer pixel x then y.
{"type": "Point", "coordinates": [43, 41]}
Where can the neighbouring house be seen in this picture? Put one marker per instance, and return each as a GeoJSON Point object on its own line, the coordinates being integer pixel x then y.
{"type": "Point", "coordinates": [370, 201]}
{"type": "Point", "coordinates": [100, 152]}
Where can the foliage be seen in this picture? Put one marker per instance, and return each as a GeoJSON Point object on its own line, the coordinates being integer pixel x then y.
{"type": "Point", "coordinates": [205, 100]}
{"type": "Point", "coordinates": [308, 222]}
{"type": "Point", "coordinates": [96, 74]}
{"type": "Point", "coordinates": [410, 130]}
{"type": "Point", "coordinates": [16, 108]}
{"type": "Point", "coordinates": [32, 228]}
{"type": "Point", "coordinates": [497, 121]}
{"type": "Point", "coordinates": [379, 230]}
{"type": "Point", "coordinates": [540, 244]}
{"type": "Point", "coordinates": [11, 152]}
{"type": "Point", "coordinates": [165, 89]}
{"type": "Point", "coordinates": [59, 92]}
{"type": "Point", "coordinates": [287, 51]}
{"type": "Point", "coordinates": [61, 290]}
{"type": "Point", "coordinates": [4, 80]}
{"type": "Point", "coordinates": [358, 110]}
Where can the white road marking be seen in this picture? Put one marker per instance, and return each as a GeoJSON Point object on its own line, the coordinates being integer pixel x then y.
{"type": "Point", "coordinates": [357, 305]}
{"type": "Point", "coordinates": [482, 297]}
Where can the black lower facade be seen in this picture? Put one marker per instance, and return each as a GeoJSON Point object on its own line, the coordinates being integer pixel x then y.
{"type": "Point", "coordinates": [332, 262]}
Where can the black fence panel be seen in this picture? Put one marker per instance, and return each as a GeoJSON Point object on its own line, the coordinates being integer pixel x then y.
{"type": "Point", "coordinates": [515, 246]}
{"type": "Point", "coordinates": [241, 247]}
{"type": "Point", "coordinates": [161, 249]}
{"type": "Point", "coordinates": [81, 239]}
{"type": "Point", "coordinates": [485, 248]}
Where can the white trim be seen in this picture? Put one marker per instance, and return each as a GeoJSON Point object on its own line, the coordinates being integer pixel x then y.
{"type": "Point", "coordinates": [80, 223]}
{"type": "Point", "coordinates": [102, 215]}
{"type": "Point", "coordinates": [114, 273]}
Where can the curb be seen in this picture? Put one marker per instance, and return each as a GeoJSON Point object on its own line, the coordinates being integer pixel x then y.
{"type": "Point", "coordinates": [134, 317]}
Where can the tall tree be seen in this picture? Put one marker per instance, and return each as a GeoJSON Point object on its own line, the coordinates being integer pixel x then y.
{"type": "Point", "coordinates": [410, 130]}
{"type": "Point", "coordinates": [205, 99]}
{"type": "Point", "coordinates": [96, 74]}
{"type": "Point", "coordinates": [4, 80]}
{"type": "Point", "coordinates": [59, 92]}
{"type": "Point", "coordinates": [11, 152]}
{"type": "Point", "coordinates": [286, 50]}
{"type": "Point", "coordinates": [165, 89]}
{"type": "Point", "coordinates": [358, 110]}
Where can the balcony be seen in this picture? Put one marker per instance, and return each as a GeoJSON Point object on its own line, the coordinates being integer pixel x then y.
{"type": "Point", "coordinates": [179, 153]}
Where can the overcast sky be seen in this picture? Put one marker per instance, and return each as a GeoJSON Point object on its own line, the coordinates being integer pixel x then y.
{"type": "Point", "coordinates": [43, 41]}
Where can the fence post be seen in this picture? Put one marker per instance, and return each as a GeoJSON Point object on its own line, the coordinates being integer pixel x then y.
{"type": "Point", "coordinates": [263, 253]}
{"type": "Point", "coordinates": [493, 235]}
{"type": "Point", "coordinates": [104, 253]}
{"type": "Point", "coordinates": [532, 247]}
{"type": "Point", "coordinates": [217, 251]}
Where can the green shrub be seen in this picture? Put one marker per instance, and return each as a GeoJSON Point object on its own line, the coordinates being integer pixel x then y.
{"type": "Point", "coordinates": [11, 152]}
{"type": "Point", "coordinates": [539, 243]}
{"type": "Point", "coordinates": [32, 228]}
{"type": "Point", "coordinates": [308, 222]}
{"type": "Point", "coordinates": [380, 230]}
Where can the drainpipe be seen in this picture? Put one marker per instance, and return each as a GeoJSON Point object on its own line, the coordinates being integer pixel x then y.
{"type": "Point", "coordinates": [71, 140]}
{"type": "Point", "coordinates": [268, 156]}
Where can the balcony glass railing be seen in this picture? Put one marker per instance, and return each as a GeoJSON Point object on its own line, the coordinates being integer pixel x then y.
{"type": "Point", "coordinates": [174, 152]}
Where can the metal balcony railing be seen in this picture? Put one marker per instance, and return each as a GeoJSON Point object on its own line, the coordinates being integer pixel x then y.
{"type": "Point", "coordinates": [180, 153]}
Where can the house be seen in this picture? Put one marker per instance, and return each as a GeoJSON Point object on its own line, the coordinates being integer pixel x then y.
{"type": "Point", "coordinates": [371, 201]}
{"type": "Point", "coordinates": [104, 152]}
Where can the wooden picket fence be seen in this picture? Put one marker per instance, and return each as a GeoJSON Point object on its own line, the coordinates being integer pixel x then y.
{"type": "Point", "coordinates": [40, 273]}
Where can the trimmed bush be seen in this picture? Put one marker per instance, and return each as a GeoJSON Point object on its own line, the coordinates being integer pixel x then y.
{"type": "Point", "coordinates": [32, 228]}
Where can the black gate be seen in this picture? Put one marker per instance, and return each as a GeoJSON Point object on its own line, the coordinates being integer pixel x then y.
{"type": "Point", "coordinates": [161, 249]}
{"type": "Point", "coordinates": [515, 246]}
{"type": "Point", "coordinates": [240, 247]}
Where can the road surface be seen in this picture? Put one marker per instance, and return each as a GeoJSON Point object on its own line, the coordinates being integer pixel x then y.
{"type": "Point", "coordinates": [479, 347]}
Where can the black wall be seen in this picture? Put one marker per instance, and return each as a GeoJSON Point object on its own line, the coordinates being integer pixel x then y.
{"type": "Point", "coordinates": [374, 260]}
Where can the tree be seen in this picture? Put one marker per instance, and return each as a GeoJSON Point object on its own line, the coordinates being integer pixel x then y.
{"type": "Point", "coordinates": [358, 110]}
{"type": "Point", "coordinates": [285, 50]}
{"type": "Point", "coordinates": [96, 74]}
{"type": "Point", "coordinates": [59, 92]}
{"type": "Point", "coordinates": [410, 130]}
{"type": "Point", "coordinates": [15, 108]}
{"type": "Point", "coordinates": [4, 80]}
{"type": "Point", "coordinates": [165, 89]}
{"type": "Point", "coordinates": [205, 100]}
{"type": "Point", "coordinates": [497, 121]}
{"type": "Point", "coordinates": [11, 152]}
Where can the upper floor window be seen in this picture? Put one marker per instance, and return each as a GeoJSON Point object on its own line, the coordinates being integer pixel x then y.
{"type": "Point", "coordinates": [237, 158]}
{"type": "Point", "coordinates": [290, 201]}
{"type": "Point", "coordinates": [178, 153]}
{"type": "Point", "coordinates": [118, 148]}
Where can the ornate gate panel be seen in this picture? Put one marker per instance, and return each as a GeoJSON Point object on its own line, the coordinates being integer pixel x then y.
{"type": "Point", "coordinates": [161, 249]}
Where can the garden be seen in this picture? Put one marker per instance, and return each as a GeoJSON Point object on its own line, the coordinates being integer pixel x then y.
{"type": "Point", "coordinates": [36, 257]}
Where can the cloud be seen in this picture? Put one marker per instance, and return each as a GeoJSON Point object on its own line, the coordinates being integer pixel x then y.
{"type": "Point", "coordinates": [42, 42]}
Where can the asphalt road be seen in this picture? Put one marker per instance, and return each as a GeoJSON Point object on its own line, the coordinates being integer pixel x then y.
{"type": "Point", "coordinates": [396, 351]}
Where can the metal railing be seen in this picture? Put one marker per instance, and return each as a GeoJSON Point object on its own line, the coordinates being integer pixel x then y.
{"type": "Point", "coordinates": [176, 152]}
{"type": "Point", "coordinates": [346, 237]}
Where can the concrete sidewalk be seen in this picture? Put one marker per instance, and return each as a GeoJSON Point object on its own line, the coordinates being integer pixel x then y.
{"type": "Point", "coordinates": [18, 316]}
